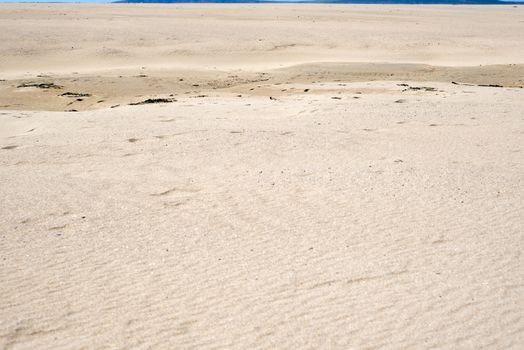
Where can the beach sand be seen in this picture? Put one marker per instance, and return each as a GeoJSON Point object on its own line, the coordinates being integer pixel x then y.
{"type": "Point", "coordinates": [261, 176]}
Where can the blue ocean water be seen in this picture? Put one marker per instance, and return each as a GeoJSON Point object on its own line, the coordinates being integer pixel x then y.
{"type": "Point", "coordinates": [400, 2]}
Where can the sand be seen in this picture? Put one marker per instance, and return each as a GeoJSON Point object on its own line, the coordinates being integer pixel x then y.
{"type": "Point", "coordinates": [256, 176]}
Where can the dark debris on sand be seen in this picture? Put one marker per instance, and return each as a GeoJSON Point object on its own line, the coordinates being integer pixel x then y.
{"type": "Point", "coordinates": [40, 85]}
{"type": "Point", "coordinates": [74, 94]}
{"type": "Point", "coordinates": [483, 85]}
{"type": "Point", "coordinates": [417, 88]}
{"type": "Point", "coordinates": [153, 100]}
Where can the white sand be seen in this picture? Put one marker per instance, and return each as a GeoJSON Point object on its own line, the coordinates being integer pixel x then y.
{"type": "Point", "coordinates": [361, 206]}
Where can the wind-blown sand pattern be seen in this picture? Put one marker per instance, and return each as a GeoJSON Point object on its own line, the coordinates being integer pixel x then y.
{"type": "Point", "coordinates": [242, 176]}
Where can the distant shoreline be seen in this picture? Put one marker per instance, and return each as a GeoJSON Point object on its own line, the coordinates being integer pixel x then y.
{"type": "Point", "coordinates": [312, 2]}
{"type": "Point", "coordinates": [363, 2]}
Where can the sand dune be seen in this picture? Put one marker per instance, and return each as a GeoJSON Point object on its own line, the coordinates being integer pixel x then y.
{"type": "Point", "coordinates": [92, 37]}
{"type": "Point", "coordinates": [173, 182]}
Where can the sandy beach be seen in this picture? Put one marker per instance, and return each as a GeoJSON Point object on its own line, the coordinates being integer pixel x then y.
{"type": "Point", "coordinates": [261, 176]}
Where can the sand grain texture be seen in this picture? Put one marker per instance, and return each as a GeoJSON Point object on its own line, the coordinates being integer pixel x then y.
{"type": "Point", "coordinates": [353, 180]}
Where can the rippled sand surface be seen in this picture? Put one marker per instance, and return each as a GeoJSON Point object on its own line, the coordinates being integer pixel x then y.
{"type": "Point", "coordinates": [272, 177]}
